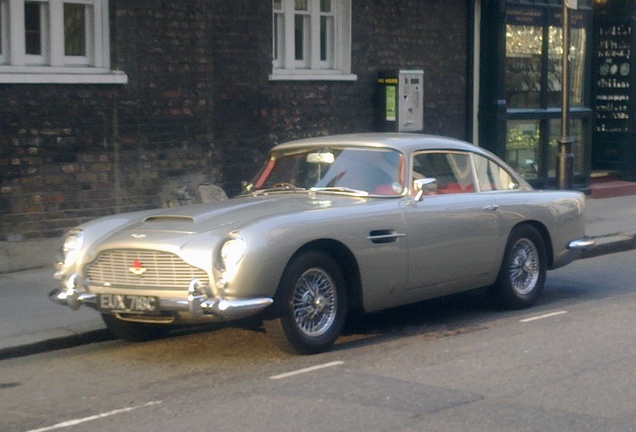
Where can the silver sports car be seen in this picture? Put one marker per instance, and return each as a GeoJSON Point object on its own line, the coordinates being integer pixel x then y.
{"type": "Point", "coordinates": [329, 225]}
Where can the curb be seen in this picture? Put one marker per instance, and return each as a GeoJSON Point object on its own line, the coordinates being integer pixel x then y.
{"type": "Point", "coordinates": [609, 244]}
{"type": "Point", "coordinates": [56, 344]}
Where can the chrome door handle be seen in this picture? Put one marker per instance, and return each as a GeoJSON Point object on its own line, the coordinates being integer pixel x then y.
{"type": "Point", "coordinates": [384, 236]}
{"type": "Point", "coordinates": [491, 208]}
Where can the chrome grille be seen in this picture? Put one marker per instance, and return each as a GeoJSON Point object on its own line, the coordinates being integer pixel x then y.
{"type": "Point", "coordinates": [163, 270]}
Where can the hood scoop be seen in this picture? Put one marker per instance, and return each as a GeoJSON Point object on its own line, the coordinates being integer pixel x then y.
{"type": "Point", "coordinates": [151, 219]}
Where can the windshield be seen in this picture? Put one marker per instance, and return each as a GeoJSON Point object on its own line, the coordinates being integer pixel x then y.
{"type": "Point", "coordinates": [361, 170]}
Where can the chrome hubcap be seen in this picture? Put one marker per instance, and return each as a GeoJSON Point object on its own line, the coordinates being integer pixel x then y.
{"type": "Point", "coordinates": [524, 266]}
{"type": "Point", "coordinates": [314, 302]}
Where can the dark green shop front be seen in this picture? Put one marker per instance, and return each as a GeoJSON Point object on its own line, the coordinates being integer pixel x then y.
{"type": "Point", "coordinates": [614, 137]}
{"type": "Point", "coordinates": [521, 82]}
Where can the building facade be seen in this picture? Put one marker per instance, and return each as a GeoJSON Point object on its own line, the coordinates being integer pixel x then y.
{"type": "Point", "coordinates": [105, 103]}
{"type": "Point", "coordinates": [111, 106]}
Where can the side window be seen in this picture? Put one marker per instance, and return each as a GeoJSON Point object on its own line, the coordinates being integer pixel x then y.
{"type": "Point", "coordinates": [451, 170]}
{"type": "Point", "coordinates": [492, 176]}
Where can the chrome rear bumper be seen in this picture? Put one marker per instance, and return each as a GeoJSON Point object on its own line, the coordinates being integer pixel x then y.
{"type": "Point", "coordinates": [581, 244]}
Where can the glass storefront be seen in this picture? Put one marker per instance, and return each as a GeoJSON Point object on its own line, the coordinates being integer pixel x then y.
{"type": "Point", "coordinates": [578, 136]}
{"type": "Point", "coordinates": [523, 152]}
{"type": "Point", "coordinates": [533, 87]}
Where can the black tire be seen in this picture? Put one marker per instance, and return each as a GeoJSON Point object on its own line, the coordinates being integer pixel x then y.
{"type": "Point", "coordinates": [309, 307]}
{"type": "Point", "coordinates": [133, 331]}
{"type": "Point", "coordinates": [523, 270]}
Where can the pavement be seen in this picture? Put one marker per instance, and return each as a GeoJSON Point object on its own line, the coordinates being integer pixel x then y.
{"type": "Point", "coordinates": [30, 323]}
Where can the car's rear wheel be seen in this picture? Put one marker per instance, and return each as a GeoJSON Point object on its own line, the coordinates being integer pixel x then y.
{"type": "Point", "coordinates": [134, 331]}
{"type": "Point", "coordinates": [523, 270]}
{"type": "Point", "coordinates": [310, 305]}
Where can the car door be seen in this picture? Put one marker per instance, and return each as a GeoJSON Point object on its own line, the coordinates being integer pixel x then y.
{"type": "Point", "coordinates": [453, 231]}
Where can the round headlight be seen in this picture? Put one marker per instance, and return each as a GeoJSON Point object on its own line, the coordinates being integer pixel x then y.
{"type": "Point", "coordinates": [71, 245]}
{"type": "Point", "coordinates": [233, 250]}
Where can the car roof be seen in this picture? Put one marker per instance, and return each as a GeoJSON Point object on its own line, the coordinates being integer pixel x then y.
{"type": "Point", "coordinates": [407, 143]}
{"type": "Point", "coordinates": [404, 142]}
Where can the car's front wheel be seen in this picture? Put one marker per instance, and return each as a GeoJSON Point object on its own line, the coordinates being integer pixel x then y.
{"type": "Point", "coordinates": [310, 305]}
{"type": "Point", "coordinates": [134, 331]}
{"type": "Point", "coordinates": [523, 270]}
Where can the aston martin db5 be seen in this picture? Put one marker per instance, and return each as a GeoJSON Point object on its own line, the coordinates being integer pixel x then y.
{"type": "Point", "coordinates": [329, 225]}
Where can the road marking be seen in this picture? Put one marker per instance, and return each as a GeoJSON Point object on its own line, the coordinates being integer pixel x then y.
{"type": "Point", "coordinates": [543, 316]}
{"type": "Point", "coordinates": [74, 422]}
{"type": "Point", "coordinates": [306, 370]}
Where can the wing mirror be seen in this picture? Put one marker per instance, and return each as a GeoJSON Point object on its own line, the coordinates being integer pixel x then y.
{"type": "Point", "coordinates": [424, 186]}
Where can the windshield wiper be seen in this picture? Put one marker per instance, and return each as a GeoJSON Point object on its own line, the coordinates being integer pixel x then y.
{"type": "Point", "coordinates": [281, 188]}
{"type": "Point", "coordinates": [340, 189]}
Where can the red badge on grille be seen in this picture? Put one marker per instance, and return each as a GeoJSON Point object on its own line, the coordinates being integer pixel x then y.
{"type": "Point", "coordinates": [137, 268]}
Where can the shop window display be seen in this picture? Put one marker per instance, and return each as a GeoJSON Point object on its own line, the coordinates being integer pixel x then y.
{"type": "Point", "coordinates": [578, 41]}
{"type": "Point", "coordinates": [528, 70]}
{"type": "Point", "coordinates": [577, 134]}
{"type": "Point", "coordinates": [524, 47]}
{"type": "Point", "coordinates": [523, 149]}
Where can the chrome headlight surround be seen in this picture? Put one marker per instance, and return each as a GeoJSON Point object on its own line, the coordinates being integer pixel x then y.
{"type": "Point", "coordinates": [70, 247]}
{"type": "Point", "coordinates": [232, 251]}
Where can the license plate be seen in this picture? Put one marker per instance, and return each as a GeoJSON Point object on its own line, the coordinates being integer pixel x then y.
{"type": "Point", "coordinates": [147, 305]}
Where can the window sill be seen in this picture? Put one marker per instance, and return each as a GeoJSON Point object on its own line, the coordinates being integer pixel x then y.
{"type": "Point", "coordinates": [311, 76]}
{"type": "Point", "coordinates": [55, 75]}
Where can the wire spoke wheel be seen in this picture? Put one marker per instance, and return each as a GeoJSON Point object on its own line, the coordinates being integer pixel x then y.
{"type": "Point", "coordinates": [314, 302]}
{"type": "Point", "coordinates": [523, 269]}
{"type": "Point", "coordinates": [310, 305]}
{"type": "Point", "coordinates": [524, 266]}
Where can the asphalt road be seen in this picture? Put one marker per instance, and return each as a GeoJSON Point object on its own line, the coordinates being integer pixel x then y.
{"type": "Point", "coordinates": [453, 364]}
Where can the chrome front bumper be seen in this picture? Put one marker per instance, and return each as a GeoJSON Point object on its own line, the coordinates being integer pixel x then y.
{"type": "Point", "coordinates": [197, 303]}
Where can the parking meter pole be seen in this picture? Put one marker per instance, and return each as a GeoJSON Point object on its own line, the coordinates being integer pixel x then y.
{"type": "Point", "coordinates": [565, 163]}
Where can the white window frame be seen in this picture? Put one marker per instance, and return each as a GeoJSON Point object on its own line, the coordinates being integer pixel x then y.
{"type": "Point", "coordinates": [38, 59]}
{"type": "Point", "coordinates": [89, 29]}
{"type": "Point", "coordinates": [53, 66]}
{"type": "Point", "coordinates": [337, 66]}
{"type": "Point", "coordinates": [4, 31]}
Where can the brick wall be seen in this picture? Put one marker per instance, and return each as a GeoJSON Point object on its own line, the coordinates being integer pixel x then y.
{"type": "Point", "coordinates": [251, 113]}
{"type": "Point", "coordinates": [69, 153]}
{"type": "Point", "coordinates": [199, 102]}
